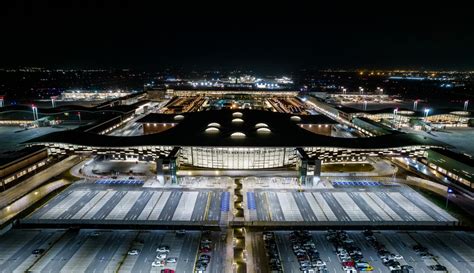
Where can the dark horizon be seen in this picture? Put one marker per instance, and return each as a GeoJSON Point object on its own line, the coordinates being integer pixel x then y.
{"type": "Point", "coordinates": [206, 36]}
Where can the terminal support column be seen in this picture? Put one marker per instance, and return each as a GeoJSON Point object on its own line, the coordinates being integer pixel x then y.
{"type": "Point", "coordinates": [167, 166]}
{"type": "Point", "coordinates": [308, 168]}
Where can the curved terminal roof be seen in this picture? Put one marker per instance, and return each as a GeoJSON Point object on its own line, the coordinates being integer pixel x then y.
{"type": "Point", "coordinates": [191, 131]}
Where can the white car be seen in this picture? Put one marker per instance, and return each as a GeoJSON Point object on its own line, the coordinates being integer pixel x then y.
{"type": "Point", "coordinates": [346, 268]}
{"type": "Point", "coordinates": [133, 252]}
{"type": "Point", "coordinates": [171, 260]}
{"type": "Point", "coordinates": [398, 257]}
{"type": "Point", "coordinates": [157, 263]}
{"type": "Point", "coordinates": [206, 241]}
{"type": "Point", "coordinates": [163, 249]}
{"type": "Point", "coordinates": [161, 256]}
{"type": "Point", "coordinates": [320, 263]}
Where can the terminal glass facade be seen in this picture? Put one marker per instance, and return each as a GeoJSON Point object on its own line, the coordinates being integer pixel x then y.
{"type": "Point", "coordinates": [238, 158]}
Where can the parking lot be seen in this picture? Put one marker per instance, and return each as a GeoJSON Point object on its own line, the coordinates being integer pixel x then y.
{"type": "Point", "coordinates": [451, 249]}
{"type": "Point", "coordinates": [104, 251]}
{"type": "Point", "coordinates": [125, 203]}
{"type": "Point", "coordinates": [353, 203]}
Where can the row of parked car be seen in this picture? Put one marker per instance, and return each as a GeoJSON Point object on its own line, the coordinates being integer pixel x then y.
{"type": "Point", "coordinates": [162, 258]}
{"type": "Point", "coordinates": [306, 253]}
{"type": "Point", "coordinates": [204, 258]}
{"type": "Point", "coordinates": [389, 259]}
{"type": "Point", "coordinates": [273, 256]}
{"type": "Point", "coordinates": [349, 254]}
{"type": "Point", "coordinates": [424, 254]}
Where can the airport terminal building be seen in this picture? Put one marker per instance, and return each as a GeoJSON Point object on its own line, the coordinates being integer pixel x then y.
{"type": "Point", "coordinates": [236, 139]}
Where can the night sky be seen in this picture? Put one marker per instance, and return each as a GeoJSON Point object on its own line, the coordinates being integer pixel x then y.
{"type": "Point", "coordinates": [236, 34]}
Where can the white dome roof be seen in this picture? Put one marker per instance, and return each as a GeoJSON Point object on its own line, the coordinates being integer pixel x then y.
{"type": "Point", "coordinates": [238, 135]}
{"type": "Point", "coordinates": [214, 124]}
{"type": "Point", "coordinates": [263, 130]}
{"type": "Point", "coordinates": [237, 114]}
{"type": "Point", "coordinates": [212, 130]}
{"type": "Point", "coordinates": [295, 118]}
{"type": "Point", "coordinates": [260, 125]}
{"type": "Point", "coordinates": [237, 120]}
{"type": "Point", "coordinates": [178, 117]}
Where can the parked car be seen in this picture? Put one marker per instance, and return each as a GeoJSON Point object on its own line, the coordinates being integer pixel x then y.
{"type": "Point", "coordinates": [38, 251]}
{"type": "Point", "coordinates": [163, 249]}
{"type": "Point", "coordinates": [133, 252]}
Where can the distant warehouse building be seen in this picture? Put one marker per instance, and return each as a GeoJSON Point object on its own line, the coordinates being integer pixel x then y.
{"type": "Point", "coordinates": [454, 165]}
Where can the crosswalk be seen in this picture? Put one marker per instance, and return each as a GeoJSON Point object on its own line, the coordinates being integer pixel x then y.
{"type": "Point", "coordinates": [117, 204]}
{"type": "Point", "coordinates": [359, 206]}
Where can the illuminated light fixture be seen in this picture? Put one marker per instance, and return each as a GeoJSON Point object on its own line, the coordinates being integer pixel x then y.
{"type": "Point", "coordinates": [237, 120]}
{"type": "Point", "coordinates": [212, 130]}
{"type": "Point", "coordinates": [260, 125]}
{"type": "Point", "coordinates": [178, 117]}
{"type": "Point", "coordinates": [238, 135]}
{"type": "Point", "coordinates": [295, 118]}
{"type": "Point", "coordinates": [237, 115]}
{"type": "Point", "coordinates": [214, 124]}
{"type": "Point", "coordinates": [263, 130]}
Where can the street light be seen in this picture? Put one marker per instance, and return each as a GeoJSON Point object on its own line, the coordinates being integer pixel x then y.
{"type": "Point", "coordinates": [448, 191]}
{"type": "Point", "coordinates": [395, 112]}
{"type": "Point", "coordinates": [35, 112]}
{"type": "Point", "coordinates": [427, 111]}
